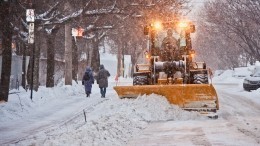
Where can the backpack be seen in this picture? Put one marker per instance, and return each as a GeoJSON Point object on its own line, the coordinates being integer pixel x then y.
{"type": "Point", "coordinates": [86, 77]}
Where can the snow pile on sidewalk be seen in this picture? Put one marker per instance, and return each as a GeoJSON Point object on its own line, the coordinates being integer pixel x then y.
{"type": "Point", "coordinates": [113, 122]}
{"type": "Point", "coordinates": [109, 121]}
{"type": "Point", "coordinates": [225, 77]}
{"type": "Point", "coordinates": [236, 78]}
{"type": "Point", "coordinates": [20, 105]}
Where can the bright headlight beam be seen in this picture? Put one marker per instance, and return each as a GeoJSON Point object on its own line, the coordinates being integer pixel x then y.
{"type": "Point", "coordinates": [157, 25]}
{"type": "Point", "coordinates": [183, 25]}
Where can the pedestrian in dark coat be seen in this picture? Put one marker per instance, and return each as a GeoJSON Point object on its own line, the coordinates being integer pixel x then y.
{"type": "Point", "coordinates": [102, 81]}
{"type": "Point", "coordinates": [88, 80]}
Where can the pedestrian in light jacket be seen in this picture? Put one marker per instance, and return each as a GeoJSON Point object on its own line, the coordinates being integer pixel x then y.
{"type": "Point", "coordinates": [102, 80]}
{"type": "Point", "coordinates": [88, 80]}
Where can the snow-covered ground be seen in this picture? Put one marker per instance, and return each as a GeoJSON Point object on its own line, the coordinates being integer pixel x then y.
{"type": "Point", "coordinates": [55, 116]}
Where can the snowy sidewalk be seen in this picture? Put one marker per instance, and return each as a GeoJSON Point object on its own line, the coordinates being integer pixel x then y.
{"type": "Point", "coordinates": [51, 112]}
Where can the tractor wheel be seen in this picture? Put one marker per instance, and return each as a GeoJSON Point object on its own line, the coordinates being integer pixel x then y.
{"type": "Point", "coordinates": [200, 79]}
{"type": "Point", "coordinates": [140, 80]}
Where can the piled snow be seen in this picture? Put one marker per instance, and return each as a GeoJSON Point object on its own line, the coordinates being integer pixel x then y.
{"type": "Point", "coordinates": [242, 72]}
{"type": "Point", "coordinates": [109, 121]}
{"type": "Point", "coordinates": [218, 73]}
{"type": "Point", "coordinates": [56, 117]}
{"type": "Point", "coordinates": [20, 105]}
{"type": "Point", "coordinates": [232, 76]}
{"type": "Point", "coordinates": [257, 63]}
{"type": "Point", "coordinates": [236, 78]}
{"type": "Point", "coordinates": [226, 77]}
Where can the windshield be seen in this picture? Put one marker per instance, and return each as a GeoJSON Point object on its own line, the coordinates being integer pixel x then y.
{"type": "Point", "coordinates": [160, 35]}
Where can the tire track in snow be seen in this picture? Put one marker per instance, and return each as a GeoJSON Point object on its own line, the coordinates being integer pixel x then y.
{"type": "Point", "coordinates": [200, 138]}
{"type": "Point", "coordinates": [239, 112]}
{"type": "Point", "coordinates": [234, 105]}
{"type": "Point", "coordinates": [51, 125]}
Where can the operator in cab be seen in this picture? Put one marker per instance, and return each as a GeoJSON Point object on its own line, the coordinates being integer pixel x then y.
{"type": "Point", "coordinates": [169, 46]}
{"type": "Point", "coordinates": [169, 42]}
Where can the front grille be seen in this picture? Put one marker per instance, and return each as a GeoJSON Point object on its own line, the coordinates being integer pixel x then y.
{"type": "Point", "coordinates": [254, 82]}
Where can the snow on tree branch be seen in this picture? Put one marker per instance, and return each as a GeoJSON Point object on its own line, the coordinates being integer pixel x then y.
{"type": "Point", "coordinates": [102, 11]}
{"type": "Point", "coordinates": [49, 31]}
{"type": "Point", "coordinates": [73, 15]}
{"type": "Point", "coordinates": [45, 14]}
{"type": "Point", "coordinates": [25, 24]}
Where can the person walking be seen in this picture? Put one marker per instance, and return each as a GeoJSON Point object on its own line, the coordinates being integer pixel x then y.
{"type": "Point", "coordinates": [88, 80]}
{"type": "Point", "coordinates": [102, 80]}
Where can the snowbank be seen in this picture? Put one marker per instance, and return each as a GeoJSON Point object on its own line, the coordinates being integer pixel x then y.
{"type": "Point", "coordinates": [112, 123]}
{"type": "Point", "coordinates": [109, 121]}
{"type": "Point", "coordinates": [236, 78]}
{"type": "Point", "coordinates": [226, 78]}
{"type": "Point", "coordinates": [56, 117]}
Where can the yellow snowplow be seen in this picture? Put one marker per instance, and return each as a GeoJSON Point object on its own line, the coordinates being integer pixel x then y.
{"type": "Point", "coordinates": [192, 97]}
{"type": "Point", "coordinates": [171, 71]}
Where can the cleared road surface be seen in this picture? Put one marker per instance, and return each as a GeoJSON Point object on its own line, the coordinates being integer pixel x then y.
{"type": "Point", "coordinates": [238, 124]}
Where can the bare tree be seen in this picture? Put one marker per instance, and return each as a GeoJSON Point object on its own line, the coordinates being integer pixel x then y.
{"type": "Point", "coordinates": [229, 29]}
{"type": "Point", "coordinates": [6, 33]}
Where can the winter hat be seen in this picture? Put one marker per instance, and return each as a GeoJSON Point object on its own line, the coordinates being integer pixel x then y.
{"type": "Point", "coordinates": [101, 66]}
{"type": "Point", "coordinates": [88, 69]}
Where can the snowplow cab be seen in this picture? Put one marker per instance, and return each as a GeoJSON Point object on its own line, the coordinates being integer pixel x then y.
{"type": "Point", "coordinates": [171, 71]}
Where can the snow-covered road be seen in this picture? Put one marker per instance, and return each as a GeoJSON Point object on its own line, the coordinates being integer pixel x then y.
{"type": "Point", "coordinates": [56, 118]}
{"type": "Point", "coordinates": [238, 124]}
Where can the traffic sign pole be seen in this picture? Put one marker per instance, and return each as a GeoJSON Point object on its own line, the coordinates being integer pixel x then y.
{"type": "Point", "coordinates": [30, 18]}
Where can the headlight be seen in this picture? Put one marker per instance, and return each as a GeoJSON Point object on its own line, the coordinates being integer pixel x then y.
{"type": "Point", "coordinates": [246, 81]}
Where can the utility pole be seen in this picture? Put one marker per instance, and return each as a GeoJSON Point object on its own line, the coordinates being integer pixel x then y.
{"type": "Point", "coordinates": [30, 18]}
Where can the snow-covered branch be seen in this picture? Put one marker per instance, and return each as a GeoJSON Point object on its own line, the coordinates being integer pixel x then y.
{"type": "Point", "coordinates": [45, 14]}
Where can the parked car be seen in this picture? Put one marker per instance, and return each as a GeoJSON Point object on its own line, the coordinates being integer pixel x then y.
{"type": "Point", "coordinates": [252, 82]}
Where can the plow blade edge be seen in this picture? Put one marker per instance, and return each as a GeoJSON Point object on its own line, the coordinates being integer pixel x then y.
{"type": "Point", "coordinates": [187, 96]}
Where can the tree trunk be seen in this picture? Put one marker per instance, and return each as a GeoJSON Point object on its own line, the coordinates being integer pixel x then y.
{"type": "Point", "coordinates": [68, 55]}
{"type": "Point", "coordinates": [119, 58]}
{"type": "Point", "coordinates": [134, 58]}
{"type": "Point", "coordinates": [95, 61]}
{"type": "Point", "coordinates": [123, 61]}
{"type": "Point", "coordinates": [50, 60]}
{"type": "Point", "coordinates": [7, 49]}
{"type": "Point", "coordinates": [74, 60]}
{"type": "Point", "coordinates": [89, 51]}
{"type": "Point", "coordinates": [24, 67]}
{"type": "Point", "coordinates": [133, 61]}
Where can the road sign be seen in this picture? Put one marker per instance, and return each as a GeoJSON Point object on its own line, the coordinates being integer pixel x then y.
{"type": "Point", "coordinates": [30, 15]}
{"type": "Point", "coordinates": [31, 33]}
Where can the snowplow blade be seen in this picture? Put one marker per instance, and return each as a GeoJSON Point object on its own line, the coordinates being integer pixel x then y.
{"type": "Point", "coordinates": [192, 97]}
